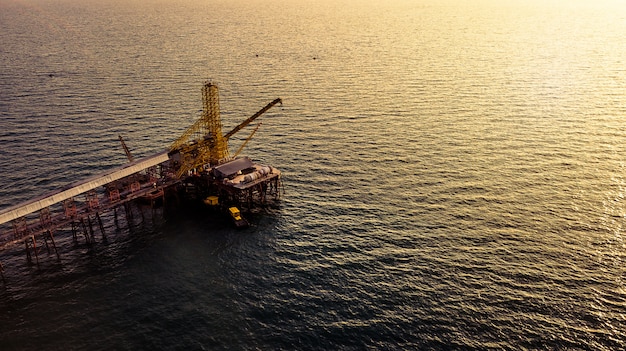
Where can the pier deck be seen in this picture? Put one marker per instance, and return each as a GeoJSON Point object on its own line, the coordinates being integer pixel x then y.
{"type": "Point", "coordinates": [53, 216]}
{"type": "Point", "coordinates": [80, 187]}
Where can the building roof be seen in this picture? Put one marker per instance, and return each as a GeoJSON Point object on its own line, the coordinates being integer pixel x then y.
{"type": "Point", "coordinates": [233, 167]}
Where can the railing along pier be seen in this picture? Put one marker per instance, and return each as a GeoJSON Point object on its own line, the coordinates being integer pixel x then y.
{"type": "Point", "coordinates": [80, 205]}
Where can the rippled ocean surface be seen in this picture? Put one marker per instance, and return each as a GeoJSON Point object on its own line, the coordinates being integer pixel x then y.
{"type": "Point", "coordinates": [454, 173]}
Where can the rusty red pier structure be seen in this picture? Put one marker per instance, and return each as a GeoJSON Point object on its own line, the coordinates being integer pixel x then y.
{"type": "Point", "coordinates": [80, 205]}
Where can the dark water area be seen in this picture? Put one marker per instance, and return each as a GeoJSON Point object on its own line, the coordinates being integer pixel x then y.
{"type": "Point", "coordinates": [453, 172]}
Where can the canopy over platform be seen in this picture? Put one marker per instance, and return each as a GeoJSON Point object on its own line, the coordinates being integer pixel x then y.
{"type": "Point", "coordinates": [230, 169]}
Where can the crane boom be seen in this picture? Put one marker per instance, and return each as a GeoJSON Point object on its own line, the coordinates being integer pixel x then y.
{"type": "Point", "coordinates": [255, 116]}
{"type": "Point", "coordinates": [126, 150]}
{"type": "Point", "coordinates": [246, 141]}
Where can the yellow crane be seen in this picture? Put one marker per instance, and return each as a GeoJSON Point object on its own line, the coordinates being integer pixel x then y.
{"type": "Point", "coordinates": [203, 143]}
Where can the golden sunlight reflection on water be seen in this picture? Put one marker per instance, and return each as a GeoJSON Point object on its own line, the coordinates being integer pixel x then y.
{"type": "Point", "coordinates": [454, 171]}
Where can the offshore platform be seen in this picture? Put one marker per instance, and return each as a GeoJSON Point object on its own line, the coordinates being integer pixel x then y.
{"type": "Point", "coordinates": [197, 166]}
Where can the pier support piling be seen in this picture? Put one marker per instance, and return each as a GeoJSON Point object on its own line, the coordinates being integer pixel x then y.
{"type": "Point", "coordinates": [2, 273]}
{"type": "Point", "coordinates": [75, 232]}
{"type": "Point", "coordinates": [28, 254]}
{"type": "Point", "coordinates": [54, 245]}
{"type": "Point", "coordinates": [87, 237]}
{"type": "Point", "coordinates": [90, 226]}
{"type": "Point", "coordinates": [101, 226]}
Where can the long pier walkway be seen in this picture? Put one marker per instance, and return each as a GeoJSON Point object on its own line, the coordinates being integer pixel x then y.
{"type": "Point", "coordinates": [84, 200]}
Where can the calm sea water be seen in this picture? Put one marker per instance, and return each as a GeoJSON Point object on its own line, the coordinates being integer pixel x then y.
{"type": "Point", "coordinates": [454, 173]}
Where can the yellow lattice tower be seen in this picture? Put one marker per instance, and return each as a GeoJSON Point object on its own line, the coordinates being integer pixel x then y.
{"type": "Point", "coordinates": [203, 143]}
{"type": "Point", "coordinates": [211, 114]}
